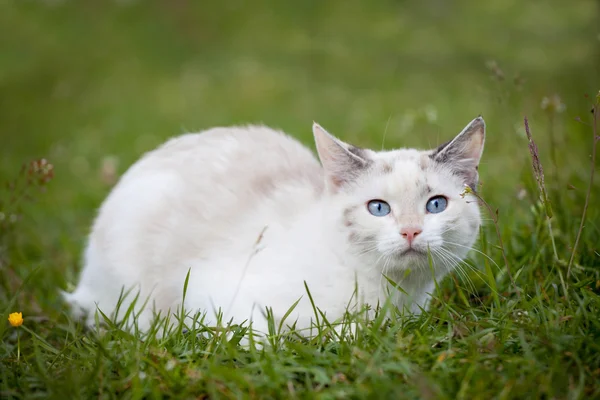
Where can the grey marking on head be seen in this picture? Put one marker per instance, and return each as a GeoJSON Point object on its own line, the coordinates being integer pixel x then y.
{"type": "Point", "coordinates": [449, 157]}
{"type": "Point", "coordinates": [370, 238]}
{"type": "Point", "coordinates": [354, 166]}
{"type": "Point", "coordinates": [424, 162]}
{"type": "Point", "coordinates": [444, 157]}
{"type": "Point", "coordinates": [348, 216]}
{"type": "Point", "coordinates": [364, 161]}
{"type": "Point", "coordinates": [341, 162]}
{"type": "Point", "coordinates": [472, 183]}
{"type": "Point", "coordinates": [461, 155]}
{"type": "Point", "coordinates": [347, 212]}
{"type": "Point", "coordinates": [357, 151]}
{"type": "Point", "coordinates": [354, 237]}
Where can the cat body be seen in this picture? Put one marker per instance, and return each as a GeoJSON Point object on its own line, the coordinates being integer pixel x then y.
{"type": "Point", "coordinates": [253, 216]}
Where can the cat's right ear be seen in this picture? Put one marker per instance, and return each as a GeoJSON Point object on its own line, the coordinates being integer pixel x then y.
{"type": "Point", "coordinates": [342, 162]}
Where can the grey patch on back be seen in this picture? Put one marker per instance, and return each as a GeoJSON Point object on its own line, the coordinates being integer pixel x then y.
{"type": "Point", "coordinates": [387, 168]}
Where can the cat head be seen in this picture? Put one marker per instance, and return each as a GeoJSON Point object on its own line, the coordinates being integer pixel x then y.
{"type": "Point", "coordinates": [395, 207]}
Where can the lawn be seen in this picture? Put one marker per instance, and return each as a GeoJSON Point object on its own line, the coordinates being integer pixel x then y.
{"type": "Point", "coordinates": [89, 86]}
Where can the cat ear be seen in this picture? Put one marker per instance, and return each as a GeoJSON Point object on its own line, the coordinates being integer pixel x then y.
{"type": "Point", "coordinates": [462, 154]}
{"type": "Point", "coordinates": [342, 162]}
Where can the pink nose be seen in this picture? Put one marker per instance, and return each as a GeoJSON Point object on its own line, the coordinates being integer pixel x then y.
{"type": "Point", "coordinates": [410, 232]}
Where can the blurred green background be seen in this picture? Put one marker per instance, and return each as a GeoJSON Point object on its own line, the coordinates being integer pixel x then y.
{"type": "Point", "coordinates": [91, 85]}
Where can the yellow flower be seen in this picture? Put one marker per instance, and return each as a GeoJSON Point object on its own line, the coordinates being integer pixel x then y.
{"type": "Point", "coordinates": [15, 319]}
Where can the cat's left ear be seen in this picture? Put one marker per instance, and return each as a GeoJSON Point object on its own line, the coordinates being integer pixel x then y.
{"type": "Point", "coordinates": [462, 154]}
{"type": "Point", "coordinates": [341, 162]}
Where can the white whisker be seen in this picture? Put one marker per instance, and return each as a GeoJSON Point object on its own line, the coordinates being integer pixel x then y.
{"type": "Point", "coordinates": [462, 263]}
{"type": "Point", "coordinates": [475, 250]}
{"type": "Point", "coordinates": [454, 264]}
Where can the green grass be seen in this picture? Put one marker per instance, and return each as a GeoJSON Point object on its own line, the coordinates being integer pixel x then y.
{"type": "Point", "coordinates": [86, 83]}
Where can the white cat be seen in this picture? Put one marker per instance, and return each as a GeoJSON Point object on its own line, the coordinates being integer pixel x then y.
{"type": "Point", "coordinates": [201, 202]}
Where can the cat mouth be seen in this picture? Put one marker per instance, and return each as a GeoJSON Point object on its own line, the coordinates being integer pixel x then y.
{"type": "Point", "coordinates": [411, 251]}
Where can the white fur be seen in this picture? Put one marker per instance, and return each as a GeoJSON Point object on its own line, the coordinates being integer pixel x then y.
{"type": "Point", "coordinates": [201, 201]}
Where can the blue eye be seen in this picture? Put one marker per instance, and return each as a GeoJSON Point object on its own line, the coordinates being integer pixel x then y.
{"type": "Point", "coordinates": [378, 208]}
{"type": "Point", "coordinates": [436, 204]}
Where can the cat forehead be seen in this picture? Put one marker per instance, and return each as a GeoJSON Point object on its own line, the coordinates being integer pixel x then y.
{"type": "Point", "coordinates": [411, 172]}
{"type": "Point", "coordinates": [403, 159]}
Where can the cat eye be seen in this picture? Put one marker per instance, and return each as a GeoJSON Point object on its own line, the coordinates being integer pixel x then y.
{"type": "Point", "coordinates": [378, 208]}
{"type": "Point", "coordinates": [436, 204]}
